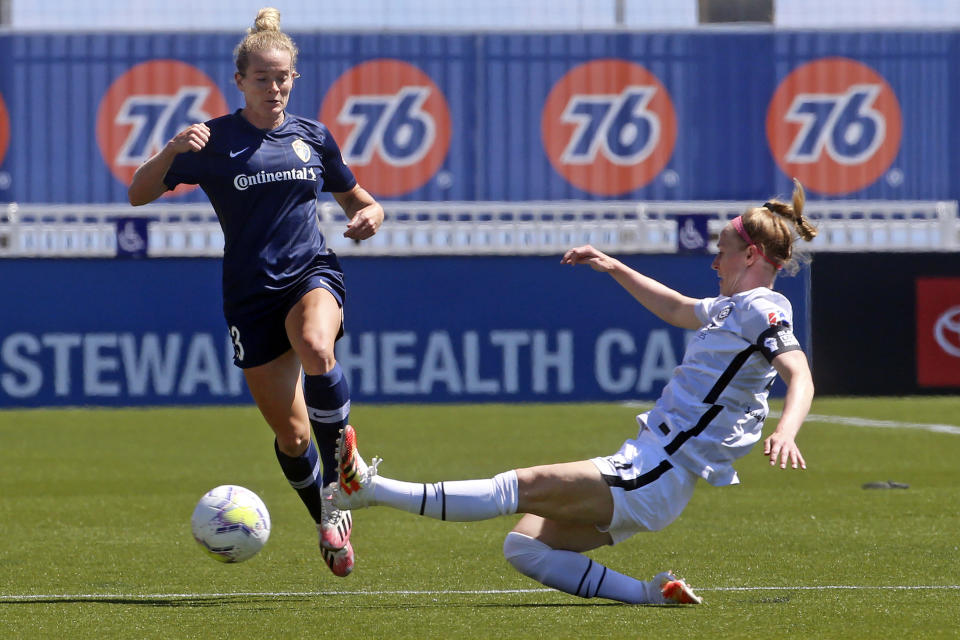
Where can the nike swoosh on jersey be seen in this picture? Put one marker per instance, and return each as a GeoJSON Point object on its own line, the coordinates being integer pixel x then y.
{"type": "Point", "coordinates": [234, 154]}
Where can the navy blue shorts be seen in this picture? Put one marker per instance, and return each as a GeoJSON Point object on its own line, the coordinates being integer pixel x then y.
{"type": "Point", "coordinates": [261, 336]}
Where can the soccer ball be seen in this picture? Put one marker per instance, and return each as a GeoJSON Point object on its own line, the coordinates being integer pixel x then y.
{"type": "Point", "coordinates": [231, 523]}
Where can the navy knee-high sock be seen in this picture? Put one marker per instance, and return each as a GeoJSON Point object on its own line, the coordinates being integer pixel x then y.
{"type": "Point", "coordinates": [303, 474]}
{"type": "Point", "coordinates": [328, 403]}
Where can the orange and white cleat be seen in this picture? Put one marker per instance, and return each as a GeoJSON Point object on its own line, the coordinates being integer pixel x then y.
{"type": "Point", "coordinates": [673, 590]}
{"type": "Point", "coordinates": [355, 487]}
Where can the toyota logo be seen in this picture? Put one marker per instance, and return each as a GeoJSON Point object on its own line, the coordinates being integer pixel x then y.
{"type": "Point", "coordinates": [947, 331]}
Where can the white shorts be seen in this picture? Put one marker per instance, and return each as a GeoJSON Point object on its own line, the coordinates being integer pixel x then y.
{"type": "Point", "coordinates": [649, 492]}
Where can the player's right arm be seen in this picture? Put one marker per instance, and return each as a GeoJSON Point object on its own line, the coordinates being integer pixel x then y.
{"type": "Point", "coordinates": [147, 184]}
{"type": "Point", "coordinates": [668, 305]}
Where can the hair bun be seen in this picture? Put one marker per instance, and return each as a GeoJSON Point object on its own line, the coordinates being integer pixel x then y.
{"type": "Point", "coordinates": [268, 19]}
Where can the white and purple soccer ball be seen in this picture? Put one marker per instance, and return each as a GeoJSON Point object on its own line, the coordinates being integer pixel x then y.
{"type": "Point", "coordinates": [231, 523]}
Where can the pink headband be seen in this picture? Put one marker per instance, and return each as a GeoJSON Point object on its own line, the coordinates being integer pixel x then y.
{"type": "Point", "coordinates": [738, 225]}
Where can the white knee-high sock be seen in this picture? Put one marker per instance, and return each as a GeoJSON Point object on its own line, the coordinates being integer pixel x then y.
{"type": "Point", "coordinates": [575, 573]}
{"type": "Point", "coordinates": [457, 501]}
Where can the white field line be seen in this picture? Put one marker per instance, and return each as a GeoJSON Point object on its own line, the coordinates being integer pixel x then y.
{"type": "Point", "coordinates": [884, 424]}
{"type": "Point", "coordinates": [853, 421]}
{"type": "Point", "coordinates": [95, 597]}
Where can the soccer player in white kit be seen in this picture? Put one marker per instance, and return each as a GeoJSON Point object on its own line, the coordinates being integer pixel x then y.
{"type": "Point", "coordinates": [709, 414]}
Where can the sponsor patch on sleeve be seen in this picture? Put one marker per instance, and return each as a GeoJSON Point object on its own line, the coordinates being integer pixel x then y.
{"type": "Point", "coordinates": [777, 317]}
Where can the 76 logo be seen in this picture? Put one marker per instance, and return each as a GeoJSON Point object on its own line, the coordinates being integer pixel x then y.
{"type": "Point", "coordinates": [621, 127]}
{"type": "Point", "coordinates": [157, 119]}
{"type": "Point", "coordinates": [396, 127]}
{"type": "Point", "coordinates": [845, 126]}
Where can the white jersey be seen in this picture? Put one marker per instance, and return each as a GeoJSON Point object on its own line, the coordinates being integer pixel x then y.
{"type": "Point", "coordinates": [712, 410]}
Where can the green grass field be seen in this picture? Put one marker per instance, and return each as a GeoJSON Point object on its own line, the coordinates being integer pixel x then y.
{"type": "Point", "coordinates": [95, 539]}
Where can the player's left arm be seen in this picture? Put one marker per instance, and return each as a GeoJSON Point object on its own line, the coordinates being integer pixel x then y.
{"type": "Point", "coordinates": [365, 213]}
{"type": "Point", "coordinates": [781, 444]}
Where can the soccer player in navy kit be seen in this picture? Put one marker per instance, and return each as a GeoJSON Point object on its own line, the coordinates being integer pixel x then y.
{"type": "Point", "coordinates": [283, 292]}
{"type": "Point", "coordinates": [710, 413]}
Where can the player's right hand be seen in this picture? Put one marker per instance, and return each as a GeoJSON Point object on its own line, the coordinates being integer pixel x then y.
{"type": "Point", "coordinates": [193, 138]}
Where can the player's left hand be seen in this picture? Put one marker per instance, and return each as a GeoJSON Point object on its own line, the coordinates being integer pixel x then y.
{"type": "Point", "coordinates": [598, 260]}
{"type": "Point", "coordinates": [365, 223]}
{"type": "Point", "coordinates": [782, 448]}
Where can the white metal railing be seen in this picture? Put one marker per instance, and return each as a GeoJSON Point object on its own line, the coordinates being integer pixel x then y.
{"type": "Point", "coordinates": [475, 228]}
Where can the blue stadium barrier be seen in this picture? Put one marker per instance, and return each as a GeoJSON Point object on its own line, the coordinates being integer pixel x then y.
{"type": "Point", "coordinates": [434, 329]}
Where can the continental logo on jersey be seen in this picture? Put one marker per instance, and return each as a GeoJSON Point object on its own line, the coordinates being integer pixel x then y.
{"type": "Point", "coordinates": [242, 182]}
{"type": "Point", "coordinates": [301, 149]}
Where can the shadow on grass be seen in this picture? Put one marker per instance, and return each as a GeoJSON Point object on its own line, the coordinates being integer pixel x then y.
{"type": "Point", "coordinates": [513, 605]}
{"type": "Point", "coordinates": [159, 601]}
{"type": "Point", "coordinates": [263, 602]}
{"type": "Point", "coordinates": [267, 602]}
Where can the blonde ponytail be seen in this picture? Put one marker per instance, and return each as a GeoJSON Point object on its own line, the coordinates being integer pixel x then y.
{"type": "Point", "coordinates": [775, 225]}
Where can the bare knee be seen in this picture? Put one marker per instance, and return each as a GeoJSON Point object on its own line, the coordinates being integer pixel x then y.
{"type": "Point", "coordinates": [316, 352]}
{"type": "Point", "coordinates": [292, 442]}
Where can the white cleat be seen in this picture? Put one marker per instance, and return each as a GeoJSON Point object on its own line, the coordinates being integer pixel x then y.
{"type": "Point", "coordinates": [335, 524]}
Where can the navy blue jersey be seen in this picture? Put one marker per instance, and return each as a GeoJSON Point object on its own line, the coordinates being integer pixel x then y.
{"type": "Point", "coordinates": [263, 186]}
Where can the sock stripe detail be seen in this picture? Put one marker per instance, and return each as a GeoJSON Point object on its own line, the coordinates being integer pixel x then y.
{"type": "Point", "coordinates": [423, 503]}
{"type": "Point", "coordinates": [584, 577]}
{"type": "Point", "coordinates": [328, 416]}
{"type": "Point", "coordinates": [309, 480]}
{"type": "Point", "coordinates": [443, 497]}
{"type": "Point", "coordinates": [602, 576]}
